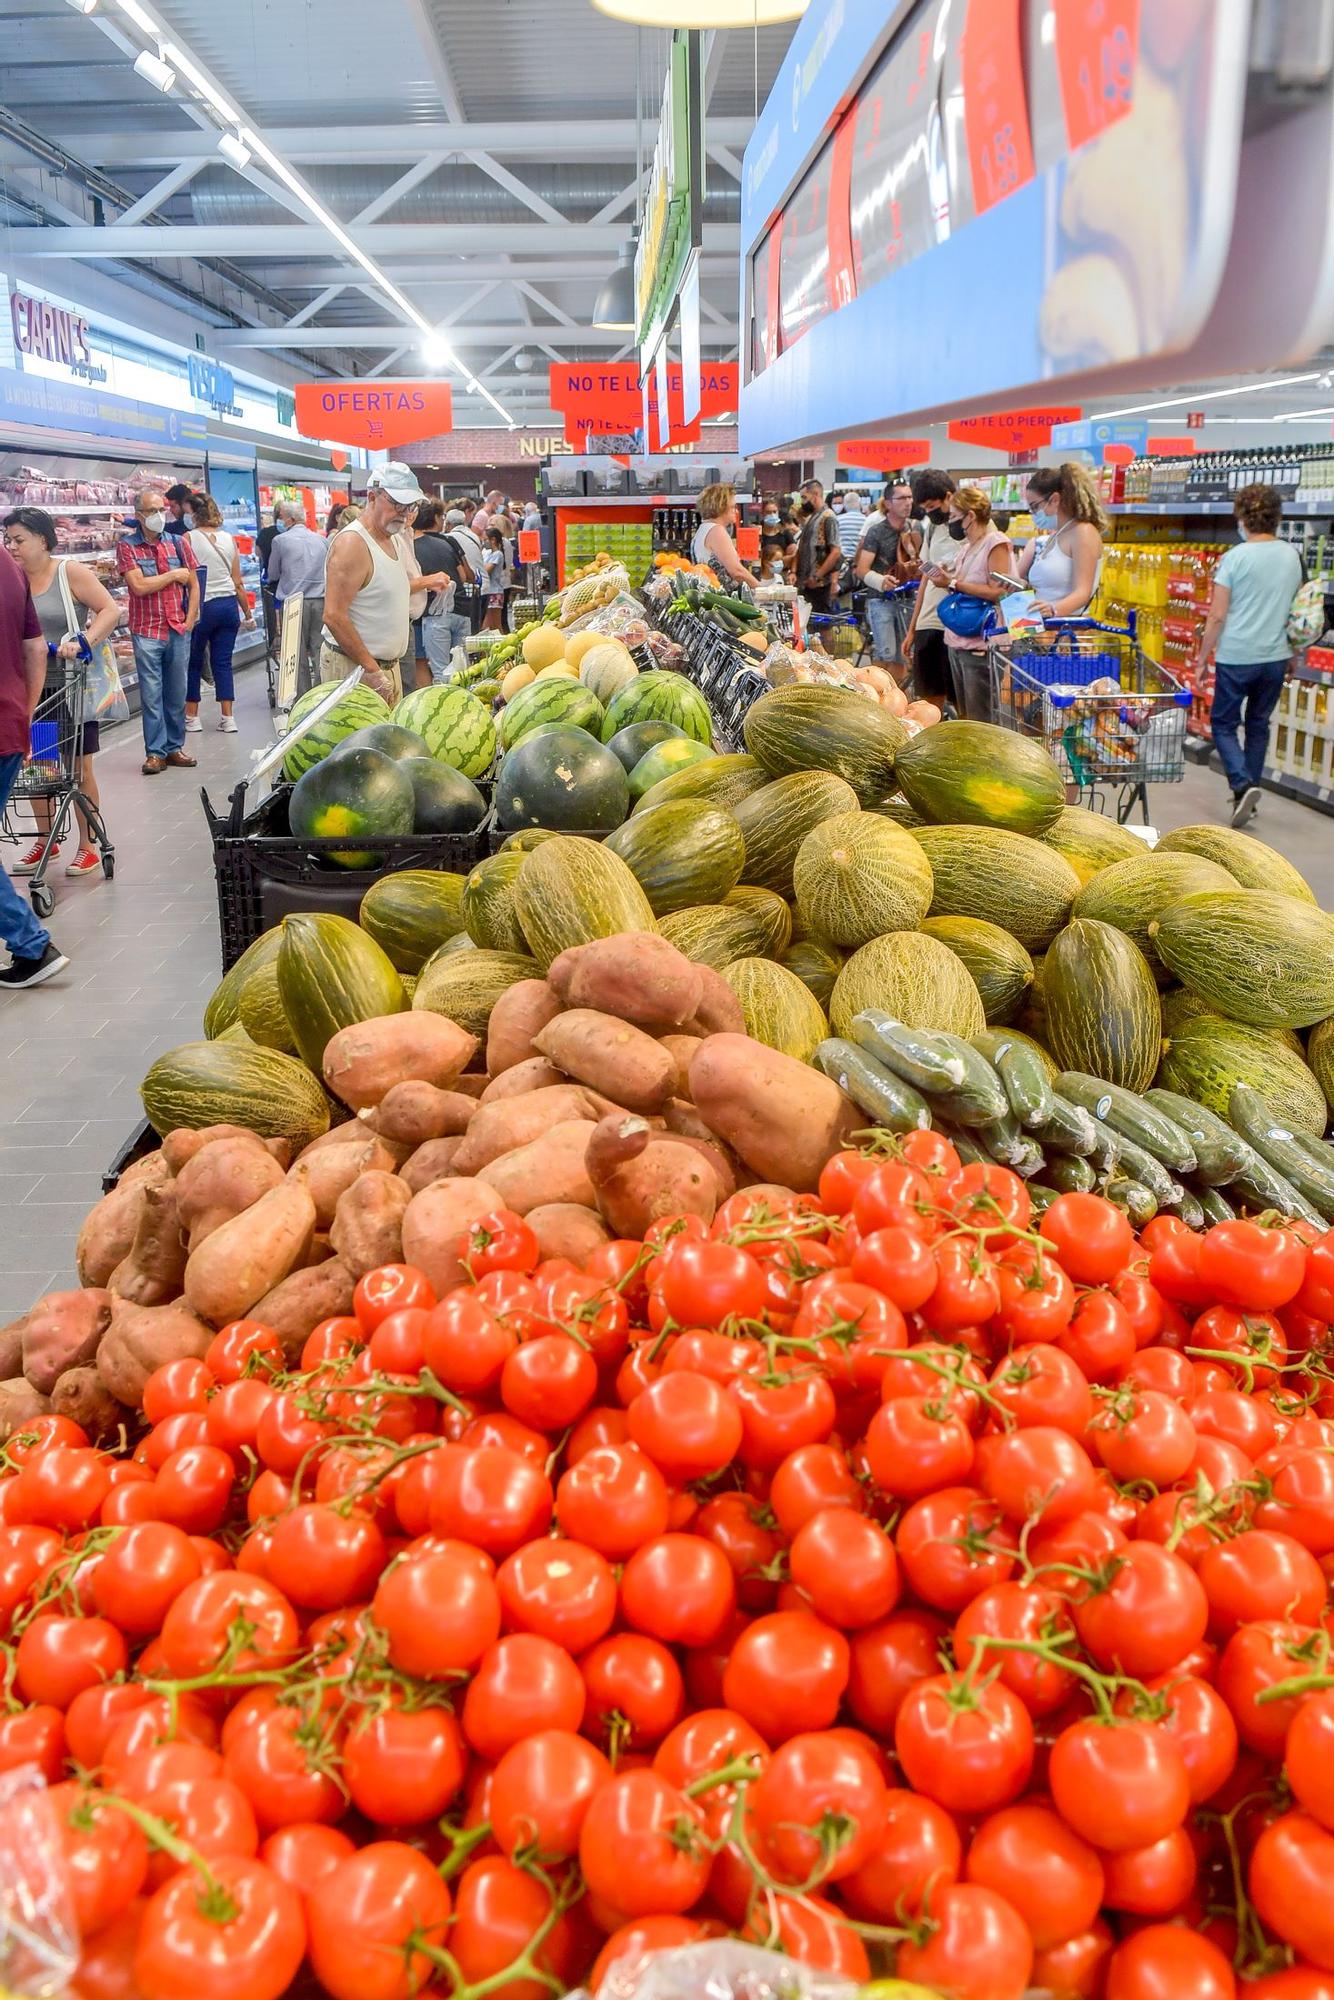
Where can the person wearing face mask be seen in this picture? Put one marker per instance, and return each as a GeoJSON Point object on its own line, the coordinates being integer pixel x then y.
{"type": "Point", "coordinates": [924, 641]}
{"type": "Point", "coordinates": [1062, 561]}
{"type": "Point", "coordinates": [162, 578]}
{"type": "Point", "coordinates": [979, 548]}
{"type": "Point", "coordinates": [367, 588]}
{"type": "Point", "coordinates": [296, 569]}
{"type": "Point", "coordinates": [887, 556]}
{"type": "Point", "coordinates": [180, 508]}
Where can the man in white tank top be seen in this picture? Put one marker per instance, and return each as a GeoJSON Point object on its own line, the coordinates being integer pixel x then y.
{"type": "Point", "coordinates": [367, 587]}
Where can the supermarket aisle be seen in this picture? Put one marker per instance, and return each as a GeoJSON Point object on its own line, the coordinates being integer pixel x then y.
{"type": "Point", "coordinates": [143, 951]}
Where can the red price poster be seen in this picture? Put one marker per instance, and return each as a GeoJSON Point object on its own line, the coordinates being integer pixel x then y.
{"type": "Point", "coordinates": [995, 103]}
{"type": "Point", "coordinates": [747, 543]}
{"type": "Point", "coordinates": [1097, 46]}
{"type": "Point", "coordinates": [530, 545]}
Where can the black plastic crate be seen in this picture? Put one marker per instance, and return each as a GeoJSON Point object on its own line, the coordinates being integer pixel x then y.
{"type": "Point", "coordinates": [265, 873]}
{"type": "Point", "coordinates": [731, 704]}
{"type": "Point", "coordinates": [143, 1139]}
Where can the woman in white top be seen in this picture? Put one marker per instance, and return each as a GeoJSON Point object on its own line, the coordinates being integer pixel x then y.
{"type": "Point", "coordinates": [713, 542]}
{"type": "Point", "coordinates": [1062, 561]}
{"type": "Point", "coordinates": [223, 609]}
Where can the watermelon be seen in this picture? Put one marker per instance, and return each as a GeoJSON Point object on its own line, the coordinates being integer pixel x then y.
{"type": "Point", "coordinates": [663, 759]}
{"type": "Point", "coordinates": [386, 737]}
{"type": "Point", "coordinates": [557, 701]}
{"type": "Point", "coordinates": [565, 780]}
{"type": "Point", "coordinates": [455, 727]}
{"type": "Point", "coordinates": [357, 709]}
{"type": "Point", "coordinates": [444, 801]}
{"type": "Point", "coordinates": [356, 792]}
{"type": "Point", "coordinates": [659, 697]}
{"type": "Point", "coordinates": [634, 741]}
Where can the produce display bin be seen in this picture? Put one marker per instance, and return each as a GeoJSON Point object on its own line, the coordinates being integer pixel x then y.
{"type": "Point", "coordinates": [143, 1139]}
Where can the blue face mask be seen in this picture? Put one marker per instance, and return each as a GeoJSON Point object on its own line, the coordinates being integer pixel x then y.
{"type": "Point", "coordinates": [1042, 518]}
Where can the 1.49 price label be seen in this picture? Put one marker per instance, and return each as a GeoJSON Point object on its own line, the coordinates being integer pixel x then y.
{"type": "Point", "coordinates": [995, 103]}
{"type": "Point", "coordinates": [1097, 46]}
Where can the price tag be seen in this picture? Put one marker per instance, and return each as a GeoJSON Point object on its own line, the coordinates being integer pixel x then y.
{"type": "Point", "coordinates": [1097, 48]}
{"type": "Point", "coordinates": [995, 104]}
{"type": "Point", "coordinates": [748, 543]}
{"type": "Point", "coordinates": [530, 545]}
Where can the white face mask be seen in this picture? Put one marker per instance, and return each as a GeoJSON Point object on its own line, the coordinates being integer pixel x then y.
{"type": "Point", "coordinates": [155, 523]}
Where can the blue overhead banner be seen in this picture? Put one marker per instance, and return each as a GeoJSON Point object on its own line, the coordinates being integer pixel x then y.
{"type": "Point", "coordinates": [76, 406]}
{"type": "Point", "coordinates": [1094, 434]}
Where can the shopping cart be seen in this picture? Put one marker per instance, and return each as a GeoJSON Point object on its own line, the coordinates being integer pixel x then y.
{"type": "Point", "coordinates": [53, 773]}
{"type": "Point", "coordinates": [1114, 720]}
{"type": "Point", "coordinates": [845, 634]}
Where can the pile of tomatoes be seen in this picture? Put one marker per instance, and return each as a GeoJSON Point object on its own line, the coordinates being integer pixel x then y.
{"type": "Point", "coordinates": [892, 1577]}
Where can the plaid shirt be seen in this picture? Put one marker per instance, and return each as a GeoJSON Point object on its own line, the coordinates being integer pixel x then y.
{"type": "Point", "coordinates": [162, 611]}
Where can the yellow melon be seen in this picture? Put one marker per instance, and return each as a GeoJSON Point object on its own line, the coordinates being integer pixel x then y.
{"type": "Point", "coordinates": [517, 677]}
{"type": "Point", "coordinates": [578, 643]}
{"type": "Point", "coordinates": [543, 647]}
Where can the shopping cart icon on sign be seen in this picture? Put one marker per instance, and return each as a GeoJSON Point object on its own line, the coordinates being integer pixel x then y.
{"type": "Point", "coordinates": [1114, 720]}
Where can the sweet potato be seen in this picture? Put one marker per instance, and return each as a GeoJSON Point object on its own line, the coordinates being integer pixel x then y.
{"type": "Point", "coordinates": [62, 1331]}
{"type": "Point", "coordinates": [20, 1405]}
{"type": "Point", "coordinates": [547, 1169]}
{"type": "Point", "coordinates": [610, 1056]}
{"type": "Point", "coordinates": [517, 1018]}
{"type": "Point", "coordinates": [109, 1227]}
{"type": "Point", "coordinates": [84, 1397]}
{"type": "Point", "coordinates": [432, 1162]}
{"type": "Point", "coordinates": [219, 1181]}
{"type": "Point", "coordinates": [11, 1348]}
{"type": "Point", "coordinates": [416, 1112]}
{"type": "Point", "coordinates": [566, 1229]}
{"type": "Point", "coordinates": [535, 1073]}
{"type": "Point", "coordinates": [434, 1224]}
{"type": "Point", "coordinates": [472, 1083]}
{"type": "Point", "coordinates": [516, 1121]}
{"type": "Point", "coordinates": [140, 1338]}
{"type": "Point", "coordinates": [368, 1222]}
{"type": "Point", "coordinates": [681, 1049]}
{"type": "Point", "coordinates": [719, 1011]}
{"type": "Point", "coordinates": [781, 1116]}
{"type": "Point", "coordinates": [364, 1061]}
{"type": "Point", "coordinates": [249, 1255]}
{"type": "Point", "coordinates": [180, 1147]}
{"type": "Point", "coordinates": [638, 1176]}
{"type": "Point", "coordinates": [327, 1174]}
{"type": "Point", "coordinates": [152, 1273]}
{"type": "Point", "coordinates": [299, 1303]}
{"type": "Point", "coordinates": [636, 976]}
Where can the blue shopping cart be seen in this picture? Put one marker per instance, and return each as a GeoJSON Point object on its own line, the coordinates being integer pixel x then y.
{"type": "Point", "coordinates": [53, 775]}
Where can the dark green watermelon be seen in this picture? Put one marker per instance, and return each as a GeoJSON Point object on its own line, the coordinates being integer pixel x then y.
{"type": "Point", "coordinates": [360, 792]}
{"type": "Point", "coordinates": [386, 737]}
{"type": "Point", "coordinates": [444, 800]}
{"type": "Point", "coordinates": [637, 738]}
{"type": "Point", "coordinates": [565, 780]}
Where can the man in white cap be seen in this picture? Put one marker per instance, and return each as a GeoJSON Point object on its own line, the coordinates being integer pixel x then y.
{"type": "Point", "coordinates": [367, 586]}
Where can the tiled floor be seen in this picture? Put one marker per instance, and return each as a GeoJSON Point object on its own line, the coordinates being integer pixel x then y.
{"type": "Point", "coordinates": [144, 957]}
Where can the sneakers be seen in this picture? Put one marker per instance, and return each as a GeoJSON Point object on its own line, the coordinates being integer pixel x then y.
{"type": "Point", "coordinates": [192, 724]}
{"type": "Point", "coordinates": [32, 860]}
{"type": "Point", "coordinates": [32, 971]}
{"type": "Point", "coordinates": [1245, 805]}
{"type": "Point", "coordinates": [86, 862]}
{"type": "Point", "coordinates": [227, 724]}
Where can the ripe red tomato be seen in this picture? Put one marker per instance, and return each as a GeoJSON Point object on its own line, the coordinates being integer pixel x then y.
{"type": "Point", "coordinates": [679, 1589]}
{"type": "Point", "coordinates": [142, 1572]}
{"type": "Point", "coordinates": [818, 1806]}
{"type": "Point", "coordinates": [787, 1672]}
{"type": "Point", "coordinates": [978, 1949]}
{"type": "Point", "coordinates": [525, 1683]}
{"type": "Point", "coordinates": [1147, 1611]}
{"type": "Point", "coordinates": [273, 1753]}
{"type": "Point", "coordinates": [705, 1284]}
{"type": "Point", "coordinates": [541, 1789]}
{"type": "Point", "coordinates": [563, 1590]}
{"type": "Point", "coordinates": [1290, 1879]}
{"type": "Point", "coordinates": [252, 1951]}
{"type": "Point", "coordinates": [687, 1424]}
{"type": "Point", "coordinates": [635, 1846]}
{"type": "Point", "coordinates": [847, 1567]}
{"type": "Point", "coordinates": [367, 1919]}
{"type": "Point", "coordinates": [635, 1690]}
{"type": "Point", "coordinates": [1118, 1784]}
{"type": "Point", "coordinates": [404, 1766]}
{"type": "Point", "coordinates": [391, 1288]}
{"type": "Point", "coordinates": [1054, 1880]}
{"type": "Point", "coordinates": [970, 1748]}
{"type": "Point", "coordinates": [898, 1263]}
{"type": "Point", "coordinates": [1165, 1962]}
{"type": "Point", "coordinates": [1090, 1235]}
{"type": "Point", "coordinates": [1248, 1265]}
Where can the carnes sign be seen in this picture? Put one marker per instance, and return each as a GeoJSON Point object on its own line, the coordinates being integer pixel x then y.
{"type": "Point", "coordinates": [375, 415]}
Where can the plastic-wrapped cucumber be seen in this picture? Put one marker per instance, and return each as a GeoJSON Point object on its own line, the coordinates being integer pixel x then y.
{"type": "Point", "coordinates": [1021, 1072]}
{"type": "Point", "coordinates": [980, 1098]}
{"type": "Point", "coordinates": [1006, 1140]}
{"type": "Point", "coordinates": [1137, 1200]}
{"type": "Point", "coordinates": [1068, 1128]}
{"type": "Point", "coordinates": [1132, 1118]}
{"type": "Point", "coordinates": [915, 1054]}
{"type": "Point", "coordinates": [1069, 1174]}
{"type": "Point", "coordinates": [886, 1098]}
{"type": "Point", "coordinates": [1219, 1153]}
{"type": "Point", "coordinates": [1261, 1187]}
{"type": "Point", "coordinates": [1138, 1164]}
{"type": "Point", "coordinates": [1191, 1210]}
{"type": "Point", "coordinates": [1300, 1160]}
{"type": "Point", "coordinates": [1105, 1151]}
{"type": "Point", "coordinates": [1041, 1196]}
{"type": "Point", "coordinates": [1215, 1204]}
{"type": "Point", "coordinates": [966, 1146]}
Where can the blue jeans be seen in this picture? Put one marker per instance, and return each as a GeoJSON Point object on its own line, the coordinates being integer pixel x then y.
{"type": "Point", "coordinates": [440, 636]}
{"type": "Point", "coordinates": [215, 634]}
{"type": "Point", "coordinates": [882, 616]}
{"type": "Point", "coordinates": [18, 926]}
{"type": "Point", "coordinates": [1259, 687]}
{"type": "Point", "coordinates": [162, 664]}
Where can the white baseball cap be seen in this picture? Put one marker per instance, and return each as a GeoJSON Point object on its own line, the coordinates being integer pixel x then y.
{"type": "Point", "coordinates": [399, 481]}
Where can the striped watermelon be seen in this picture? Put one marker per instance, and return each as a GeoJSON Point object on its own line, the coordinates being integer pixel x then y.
{"type": "Point", "coordinates": [553, 703]}
{"type": "Point", "coordinates": [358, 709]}
{"type": "Point", "coordinates": [659, 697]}
{"type": "Point", "coordinates": [454, 726]}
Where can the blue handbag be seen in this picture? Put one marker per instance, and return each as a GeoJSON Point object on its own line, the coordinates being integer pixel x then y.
{"type": "Point", "coordinates": [966, 617]}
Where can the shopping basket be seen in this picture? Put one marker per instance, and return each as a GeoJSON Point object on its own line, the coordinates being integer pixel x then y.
{"type": "Point", "coordinates": [1114, 720]}
{"type": "Point", "coordinates": [53, 774]}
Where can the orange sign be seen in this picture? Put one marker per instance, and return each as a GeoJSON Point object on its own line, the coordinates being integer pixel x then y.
{"type": "Point", "coordinates": [1013, 430]}
{"type": "Point", "coordinates": [530, 545]}
{"type": "Point", "coordinates": [376, 415]}
{"type": "Point", "coordinates": [1171, 447]}
{"type": "Point", "coordinates": [609, 396]}
{"type": "Point", "coordinates": [884, 454]}
{"type": "Point", "coordinates": [995, 107]}
{"type": "Point", "coordinates": [747, 543]}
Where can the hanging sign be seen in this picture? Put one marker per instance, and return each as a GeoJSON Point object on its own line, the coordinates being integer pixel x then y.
{"type": "Point", "coordinates": [1171, 447]}
{"type": "Point", "coordinates": [375, 415]}
{"type": "Point", "coordinates": [1013, 430]}
{"type": "Point", "coordinates": [530, 545]}
{"type": "Point", "coordinates": [748, 542]}
{"type": "Point", "coordinates": [995, 104]}
{"type": "Point", "coordinates": [883, 454]}
{"type": "Point", "coordinates": [1105, 438]}
{"type": "Point", "coordinates": [1097, 46]}
{"type": "Point", "coordinates": [612, 396]}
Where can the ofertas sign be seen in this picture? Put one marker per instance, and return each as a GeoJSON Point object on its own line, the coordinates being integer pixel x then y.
{"type": "Point", "coordinates": [376, 415]}
{"type": "Point", "coordinates": [1013, 430]}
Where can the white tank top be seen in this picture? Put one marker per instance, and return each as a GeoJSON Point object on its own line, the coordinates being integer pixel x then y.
{"type": "Point", "coordinates": [380, 608]}
{"type": "Point", "coordinates": [1052, 570]}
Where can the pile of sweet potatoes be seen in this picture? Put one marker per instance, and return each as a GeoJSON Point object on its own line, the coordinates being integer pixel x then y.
{"type": "Point", "coordinates": [618, 1090]}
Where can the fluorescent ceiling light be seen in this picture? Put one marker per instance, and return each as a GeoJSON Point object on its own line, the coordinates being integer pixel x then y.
{"type": "Point", "coordinates": [153, 70]}
{"type": "Point", "coordinates": [1192, 397]}
{"type": "Point", "coordinates": [83, 6]}
{"type": "Point", "coordinates": [702, 13]}
{"type": "Point", "coordinates": [234, 149]}
{"type": "Point", "coordinates": [138, 15]}
{"type": "Point", "coordinates": [436, 351]}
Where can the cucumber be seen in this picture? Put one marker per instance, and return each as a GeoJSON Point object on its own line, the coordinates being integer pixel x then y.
{"type": "Point", "coordinates": [1191, 1210]}
{"type": "Point", "coordinates": [1068, 1128]}
{"type": "Point", "coordinates": [1219, 1154]}
{"type": "Point", "coordinates": [1071, 1175]}
{"type": "Point", "coordinates": [1139, 1164]}
{"type": "Point", "coordinates": [1297, 1158]}
{"type": "Point", "coordinates": [966, 1146]}
{"type": "Point", "coordinates": [1005, 1140]}
{"type": "Point", "coordinates": [1137, 1201]}
{"type": "Point", "coordinates": [1021, 1073]}
{"type": "Point", "coordinates": [915, 1054]}
{"type": "Point", "coordinates": [893, 1104]}
{"type": "Point", "coordinates": [980, 1098]}
{"type": "Point", "coordinates": [1041, 1196]}
{"type": "Point", "coordinates": [1215, 1204]}
{"type": "Point", "coordinates": [1129, 1115]}
{"type": "Point", "coordinates": [1105, 1151]}
{"type": "Point", "coordinates": [1261, 1187]}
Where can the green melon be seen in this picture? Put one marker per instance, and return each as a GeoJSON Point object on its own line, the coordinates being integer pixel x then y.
{"type": "Point", "coordinates": [1250, 862]}
{"type": "Point", "coordinates": [1182, 1009]}
{"type": "Point", "coordinates": [857, 876]}
{"type": "Point", "coordinates": [356, 709]}
{"type": "Point", "coordinates": [411, 914]}
{"type": "Point", "coordinates": [1210, 1055]}
{"type": "Point", "coordinates": [776, 820]}
{"type": "Point", "coordinates": [357, 794]}
{"type": "Point", "coordinates": [913, 978]}
{"type": "Point", "coordinates": [659, 696]}
{"type": "Point", "coordinates": [454, 725]}
{"type": "Point", "coordinates": [1132, 894]}
{"type": "Point", "coordinates": [681, 854]}
{"type": "Point", "coordinates": [807, 728]}
{"type": "Point", "coordinates": [558, 702]}
{"type": "Point", "coordinates": [769, 913]}
{"type": "Point", "coordinates": [747, 924]}
{"type": "Point", "coordinates": [898, 810]}
{"type": "Point", "coordinates": [222, 1010]}
{"type": "Point", "coordinates": [261, 1011]}
{"type": "Point", "coordinates": [1006, 878]}
{"type": "Point", "coordinates": [570, 891]}
{"type": "Point", "coordinates": [720, 781]}
{"type": "Point", "coordinates": [330, 975]}
{"type": "Point", "coordinates": [1320, 1056]}
{"type": "Point", "coordinates": [1101, 1005]}
{"type": "Point", "coordinates": [1001, 969]}
{"type": "Point", "coordinates": [816, 965]}
{"type": "Point", "coordinates": [564, 779]}
{"type": "Point", "coordinates": [977, 774]}
{"type": "Point", "coordinates": [663, 760]}
{"type": "Point", "coordinates": [488, 904]}
{"type": "Point", "coordinates": [780, 1010]}
{"type": "Point", "coordinates": [1267, 960]}
{"type": "Point", "coordinates": [637, 738]}
{"type": "Point", "coordinates": [465, 985]}
{"type": "Point", "coordinates": [230, 1083]}
{"type": "Point", "coordinates": [527, 838]}
{"type": "Point", "coordinates": [1090, 841]}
